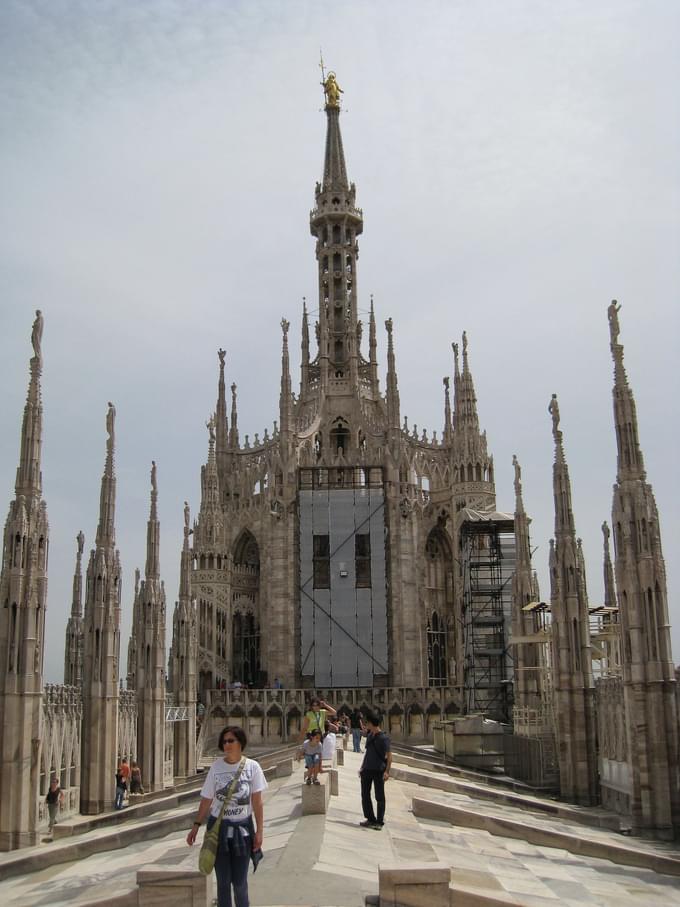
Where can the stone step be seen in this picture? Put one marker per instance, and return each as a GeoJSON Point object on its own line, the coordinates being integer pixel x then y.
{"type": "Point", "coordinates": [624, 854]}
{"type": "Point", "coordinates": [591, 816]}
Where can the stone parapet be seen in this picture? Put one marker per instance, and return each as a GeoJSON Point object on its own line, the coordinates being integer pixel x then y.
{"type": "Point", "coordinates": [273, 716]}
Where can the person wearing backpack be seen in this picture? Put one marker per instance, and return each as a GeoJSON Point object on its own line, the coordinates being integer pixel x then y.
{"type": "Point", "coordinates": [374, 771]}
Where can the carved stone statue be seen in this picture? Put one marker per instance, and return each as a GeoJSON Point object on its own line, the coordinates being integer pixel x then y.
{"type": "Point", "coordinates": [80, 539]}
{"type": "Point", "coordinates": [284, 327]}
{"type": "Point", "coordinates": [36, 335]}
{"type": "Point", "coordinates": [210, 425]}
{"type": "Point", "coordinates": [518, 475]}
{"type": "Point", "coordinates": [221, 354]}
{"type": "Point", "coordinates": [111, 426]}
{"type": "Point", "coordinates": [554, 410]}
{"type": "Point", "coordinates": [613, 316]}
{"type": "Point", "coordinates": [187, 517]}
{"type": "Point", "coordinates": [154, 485]}
{"type": "Point", "coordinates": [332, 90]}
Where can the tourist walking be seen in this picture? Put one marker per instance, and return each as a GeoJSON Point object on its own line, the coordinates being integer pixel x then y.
{"type": "Point", "coordinates": [239, 837]}
{"type": "Point", "coordinates": [55, 796]}
{"type": "Point", "coordinates": [136, 779]}
{"type": "Point", "coordinates": [120, 789]}
{"type": "Point", "coordinates": [355, 724]}
{"type": "Point", "coordinates": [374, 771]}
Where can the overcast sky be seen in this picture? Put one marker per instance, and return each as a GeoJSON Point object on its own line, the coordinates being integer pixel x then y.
{"type": "Point", "coordinates": [518, 167]}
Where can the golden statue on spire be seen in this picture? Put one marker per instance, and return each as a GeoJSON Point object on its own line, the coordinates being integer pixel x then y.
{"type": "Point", "coordinates": [331, 89]}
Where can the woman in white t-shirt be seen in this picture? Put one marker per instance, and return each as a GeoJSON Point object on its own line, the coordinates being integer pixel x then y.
{"type": "Point", "coordinates": [239, 835]}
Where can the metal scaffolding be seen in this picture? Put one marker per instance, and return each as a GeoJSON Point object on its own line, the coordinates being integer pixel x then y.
{"type": "Point", "coordinates": [488, 560]}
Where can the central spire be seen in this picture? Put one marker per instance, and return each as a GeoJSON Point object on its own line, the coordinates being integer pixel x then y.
{"type": "Point", "coordinates": [336, 222]}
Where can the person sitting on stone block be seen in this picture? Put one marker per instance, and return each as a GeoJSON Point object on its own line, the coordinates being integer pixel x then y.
{"type": "Point", "coordinates": [312, 750]}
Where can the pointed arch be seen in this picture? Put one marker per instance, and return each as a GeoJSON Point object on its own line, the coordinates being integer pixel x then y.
{"type": "Point", "coordinates": [439, 598]}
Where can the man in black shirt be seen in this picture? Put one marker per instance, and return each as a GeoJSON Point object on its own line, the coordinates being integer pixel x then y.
{"type": "Point", "coordinates": [375, 770]}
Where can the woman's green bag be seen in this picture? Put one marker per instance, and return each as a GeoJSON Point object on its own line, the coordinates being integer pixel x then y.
{"type": "Point", "coordinates": [211, 839]}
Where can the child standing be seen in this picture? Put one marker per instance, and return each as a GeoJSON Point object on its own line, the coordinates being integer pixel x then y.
{"type": "Point", "coordinates": [312, 750]}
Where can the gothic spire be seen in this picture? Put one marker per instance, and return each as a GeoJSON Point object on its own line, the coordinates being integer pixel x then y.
{"type": "Point", "coordinates": [23, 593]}
{"type": "Point", "coordinates": [101, 646]}
{"type": "Point", "coordinates": [609, 586]}
{"type": "Point", "coordinates": [221, 409]}
{"type": "Point", "coordinates": [646, 657]}
{"type": "Point", "coordinates": [153, 531]}
{"type": "Point", "coordinates": [372, 349]}
{"type": "Point", "coordinates": [183, 667]}
{"type": "Point", "coordinates": [336, 223]}
{"type": "Point", "coordinates": [304, 347]}
{"type": "Point", "coordinates": [465, 397]}
{"type": "Point", "coordinates": [73, 658]}
{"type": "Point", "coordinates": [392, 394]}
{"type": "Point", "coordinates": [77, 599]}
{"type": "Point", "coordinates": [106, 535]}
{"type": "Point", "coordinates": [29, 477]}
{"type": "Point", "coordinates": [233, 429]}
{"type": "Point", "coordinates": [285, 398]}
{"type": "Point", "coordinates": [447, 411]}
{"type": "Point", "coordinates": [630, 463]}
{"type": "Point", "coordinates": [334, 169]}
{"type": "Point", "coordinates": [572, 657]}
{"type": "Point", "coordinates": [527, 656]}
{"type": "Point", "coordinates": [564, 517]}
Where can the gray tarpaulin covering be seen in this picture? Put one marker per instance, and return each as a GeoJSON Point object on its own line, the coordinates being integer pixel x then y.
{"type": "Point", "coordinates": [343, 629]}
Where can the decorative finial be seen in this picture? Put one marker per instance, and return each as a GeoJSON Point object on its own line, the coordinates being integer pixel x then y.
{"type": "Point", "coordinates": [154, 485]}
{"type": "Point", "coordinates": [186, 518]}
{"type": "Point", "coordinates": [221, 354]}
{"type": "Point", "coordinates": [233, 391]}
{"type": "Point", "coordinates": [388, 326]}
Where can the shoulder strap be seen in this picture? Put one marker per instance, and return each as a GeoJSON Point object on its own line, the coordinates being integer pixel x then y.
{"type": "Point", "coordinates": [232, 787]}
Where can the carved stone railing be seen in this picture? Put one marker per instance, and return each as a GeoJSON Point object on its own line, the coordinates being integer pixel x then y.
{"type": "Point", "coordinates": [274, 716]}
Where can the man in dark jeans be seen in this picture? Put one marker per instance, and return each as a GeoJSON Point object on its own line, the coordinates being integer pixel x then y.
{"type": "Point", "coordinates": [375, 770]}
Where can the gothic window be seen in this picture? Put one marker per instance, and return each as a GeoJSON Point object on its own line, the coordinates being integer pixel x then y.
{"type": "Point", "coordinates": [246, 650]}
{"type": "Point", "coordinates": [362, 559]}
{"type": "Point", "coordinates": [436, 652]}
{"type": "Point", "coordinates": [336, 234]}
{"type": "Point", "coordinates": [652, 629]}
{"type": "Point", "coordinates": [322, 562]}
{"type": "Point", "coordinates": [576, 645]}
{"type": "Point", "coordinates": [340, 436]}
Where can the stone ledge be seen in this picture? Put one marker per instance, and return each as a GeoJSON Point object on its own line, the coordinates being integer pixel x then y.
{"type": "Point", "coordinates": [542, 837]}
